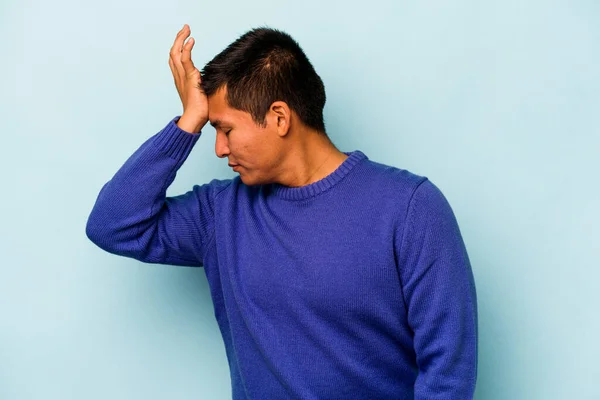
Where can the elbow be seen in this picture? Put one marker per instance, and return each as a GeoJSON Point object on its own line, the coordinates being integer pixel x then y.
{"type": "Point", "coordinates": [96, 233]}
{"type": "Point", "coordinates": [91, 230]}
{"type": "Point", "coordinates": [113, 237]}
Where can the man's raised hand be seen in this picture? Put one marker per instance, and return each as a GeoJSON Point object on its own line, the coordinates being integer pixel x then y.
{"type": "Point", "coordinates": [187, 81]}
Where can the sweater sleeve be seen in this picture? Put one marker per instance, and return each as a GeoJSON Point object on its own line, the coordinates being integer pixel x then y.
{"type": "Point", "coordinates": [132, 216]}
{"type": "Point", "coordinates": [439, 292]}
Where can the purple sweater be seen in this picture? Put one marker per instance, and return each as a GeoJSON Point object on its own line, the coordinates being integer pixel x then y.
{"type": "Point", "coordinates": [357, 286]}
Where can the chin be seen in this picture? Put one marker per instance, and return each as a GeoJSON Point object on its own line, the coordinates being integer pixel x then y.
{"type": "Point", "coordinates": [246, 181]}
{"type": "Point", "coordinates": [249, 181]}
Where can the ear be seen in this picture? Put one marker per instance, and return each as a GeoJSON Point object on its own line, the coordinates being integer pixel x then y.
{"type": "Point", "coordinates": [281, 117]}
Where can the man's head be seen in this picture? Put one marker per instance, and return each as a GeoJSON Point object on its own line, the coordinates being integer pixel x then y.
{"type": "Point", "coordinates": [259, 88]}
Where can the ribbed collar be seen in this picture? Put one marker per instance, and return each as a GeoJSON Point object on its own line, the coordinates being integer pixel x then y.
{"type": "Point", "coordinates": [313, 189]}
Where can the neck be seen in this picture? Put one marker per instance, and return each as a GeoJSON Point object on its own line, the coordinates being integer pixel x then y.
{"type": "Point", "coordinates": [310, 159]}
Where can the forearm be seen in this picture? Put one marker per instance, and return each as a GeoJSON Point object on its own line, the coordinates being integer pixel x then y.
{"type": "Point", "coordinates": [447, 351]}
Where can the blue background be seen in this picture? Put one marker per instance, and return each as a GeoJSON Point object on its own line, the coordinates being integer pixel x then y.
{"type": "Point", "coordinates": [497, 102]}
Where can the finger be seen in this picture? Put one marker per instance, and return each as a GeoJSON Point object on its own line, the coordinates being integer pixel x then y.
{"type": "Point", "coordinates": [178, 44]}
{"type": "Point", "coordinates": [186, 57]}
{"type": "Point", "coordinates": [177, 49]}
{"type": "Point", "coordinates": [185, 32]}
{"type": "Point", "coordinates": [176, 76]}
{"type": "Point", "coordinates": [173, 69]}
{"type": "Point", "coordinates": [177, 70]}
{"type": "Point", "coordinates": [178, 63]}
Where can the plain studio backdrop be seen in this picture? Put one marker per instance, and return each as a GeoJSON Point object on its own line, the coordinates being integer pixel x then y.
{"type": "Point", "coordinates": [496, 102]}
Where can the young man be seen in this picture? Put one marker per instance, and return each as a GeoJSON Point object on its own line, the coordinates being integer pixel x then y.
{"type": "Point", "coordinates": [332, 276]}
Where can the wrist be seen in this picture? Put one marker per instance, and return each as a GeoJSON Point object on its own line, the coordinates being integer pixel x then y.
{"type": "Point", "coordinates": [191, 125]}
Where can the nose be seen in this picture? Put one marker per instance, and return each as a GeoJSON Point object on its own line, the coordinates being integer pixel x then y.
{"type": "Point", "coordinates": [221, 145]}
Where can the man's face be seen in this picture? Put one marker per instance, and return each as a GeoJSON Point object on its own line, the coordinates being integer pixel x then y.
{"type": "Point", "coordinates": [255, 149]}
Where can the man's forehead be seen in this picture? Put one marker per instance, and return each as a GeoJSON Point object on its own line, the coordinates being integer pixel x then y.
{"type": "Point", "coordinates": [218, 108]}
{"type": "Point", "coordinates": [217, 117]}
{"type": "Point", "coordinates": [221, 119]}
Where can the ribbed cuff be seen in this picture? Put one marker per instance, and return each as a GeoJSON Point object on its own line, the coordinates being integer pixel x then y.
{"type": "Point", "coordinates": [174, 141]}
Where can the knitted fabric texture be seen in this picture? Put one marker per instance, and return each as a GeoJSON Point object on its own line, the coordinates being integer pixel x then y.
{"type": "Point", "coordinates": [357, 286]}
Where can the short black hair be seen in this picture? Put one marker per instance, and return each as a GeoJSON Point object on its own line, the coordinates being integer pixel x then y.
{"type": "Point", "coordinates": [262, 66]}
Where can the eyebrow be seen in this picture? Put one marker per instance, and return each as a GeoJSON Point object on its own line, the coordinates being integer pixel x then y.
{"type": "Point", "coordinates": [216, 123]}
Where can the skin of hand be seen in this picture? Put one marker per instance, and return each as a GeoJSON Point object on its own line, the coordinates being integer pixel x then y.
{"type": "Point", "coordinates": [187, 81]}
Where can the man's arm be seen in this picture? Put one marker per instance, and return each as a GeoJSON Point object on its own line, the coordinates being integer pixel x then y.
{"type": "Point", "coordinates": [133, 217]}
{"type": "Point", "coordinates": [440, 296]}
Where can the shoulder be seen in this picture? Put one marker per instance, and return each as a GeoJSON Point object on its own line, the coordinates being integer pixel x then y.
{"type": "Point", "coordinates": [234, 189]}
{"type": "Point", "coordinates": [213, 188]}
{"type": "Point", "coordinates": [409, 193]}
{"type": "Point", "coordinates": [390, 181]}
